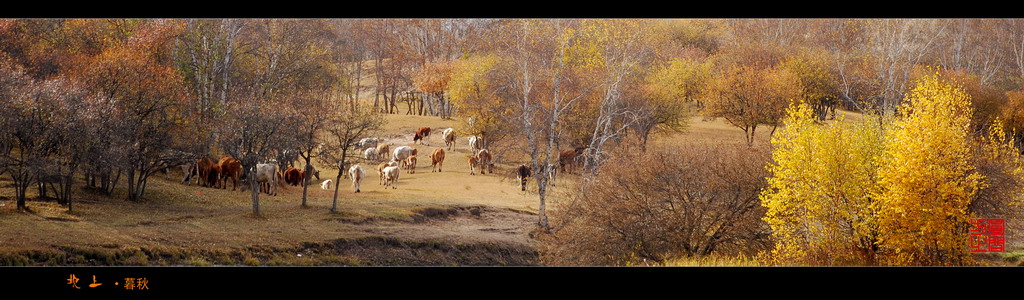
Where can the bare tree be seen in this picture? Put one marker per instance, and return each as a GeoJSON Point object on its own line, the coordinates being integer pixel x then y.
{"type": "Point", "coordinates": [257, 128]}
{"type": "Point", "coordinates": [345, 127]}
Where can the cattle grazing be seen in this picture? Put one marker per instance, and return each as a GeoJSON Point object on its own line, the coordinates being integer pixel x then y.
{"type": "Point", "coordinates": [203, 166]}
{"type": "Point", "coordinates": [449, 138]}
{"type": "Point", "coordinates": [391, 177]}
{"type": "Point", "coordinates": [370, 154]}
{"type": "Point", "coordinates": [484, 160]}
{"type": "Point", "coordinates": [402, 152]}
{"type": "Point", "coordinates": [473, 164]}
{"type": "Point", "coordinates": [326, 185]}
{"type": "Point", "coordinates": [523, 173]}
{"type": "Point", "coordinates": [476, 144]}
{"type": "Point", "coordinates": [368, 142]}
{"type": "Point", "coordinates": [357, 173]}
{"type": "Point", "coordinates": [268, 178]}
{"type": "Point", "coordinates": [569, 158]}
{"type": "Point", "coordinates": [268, 174]}
{"type": "Point", "coordinates": [295, 176]}
{"type": "Point", "coordinates": [381, 166]}
{"type": "Point", "coordinates": [421, 134]}
{"type": "Point", "coordinates": [410, 164]}
{"type": "Point", "coordinates": [230, 168]}
{"type": "Point", "coordinates": [436, 159]}
{"type": "Point", "coordinates": [292, 176]}
{"type": "Point", "coordinates": [213, 176]}
{"type": "Point", "coordinates": [383, 150]}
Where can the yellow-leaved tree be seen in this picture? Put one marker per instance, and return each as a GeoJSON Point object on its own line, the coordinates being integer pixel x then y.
{"type": "Point", "coordinates": [470, 89]}
{"type": "Point", "coordinates": [926, 178]}
{"type": "Point", "coordinates": [819, 193]}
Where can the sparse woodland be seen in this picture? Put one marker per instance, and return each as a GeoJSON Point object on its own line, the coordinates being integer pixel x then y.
{"type": "Point", "coordinates": [104, 104]}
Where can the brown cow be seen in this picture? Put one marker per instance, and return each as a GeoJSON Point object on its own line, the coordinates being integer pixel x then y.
{"type": "Point", "coordinates": [410, 164]}
{"type": "Point", "coordinates": [202, 170]}
{"type": "Point", "coordinates": [421, 134]}
{"type": "Point", "coordinates": [382, 151]}
{"type": "Point", "coordinates": [380, 169]}
{"type": "Point", "coordinates": [570, 157]}
{"type": "Point", "coordinates": [293, 176]}
{"type": "Point", "coordinates": [230, 168]}
{"type": "Point", "coordinates": [436, 159]}
{"type": "Point", "coordinates": [473, 164]}
{"type": "Point", "coordinates": [484, 160]}
{"type": "Point", "coordinates": [213, 176]}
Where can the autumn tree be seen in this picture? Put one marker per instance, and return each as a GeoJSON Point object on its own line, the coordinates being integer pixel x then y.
{"type": "Point", "coordinates": [144, 91]}
{"type": "Point", "coordinates": [747, 97]}
{"type": "Point", "coordinates": [473, 88]}
{"type": "Point", "coordinates": [433, 79]}
{"type": "Point", "coordinates": [1012, 116]}
{"type": "Point", "coordinates": [818, 82]}
{"type": "Point", "coordinates": [669, 90]}
{"type": "Point", "coordinates": [820, 192]}
{"type": "Point", "coordinates": [997, 158]}
{"type": "Point", "coordinates": [926, 178]}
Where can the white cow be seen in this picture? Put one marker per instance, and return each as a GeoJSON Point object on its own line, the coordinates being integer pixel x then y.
{"type": "Point", "coordinates": [370, 153]}
{"type": "Point", "coordinates": [357, 173]}
{"type": "Point", "coordinates": [381, 166]}
{"type": "Point", "coordinates": [391, 177]}
{"type": "Point", "coordinates": [476, 143]}
{"type": "Point", "coordinates": [402, 152]}
{"type": "Point", "coordinates": [449, 138]}
{"type": "Point", "coordinates": [368, 142]}
{"type": "Point", "coordinates": [326, 185]}
{"type": "Point", "coordinates": [267, 174]}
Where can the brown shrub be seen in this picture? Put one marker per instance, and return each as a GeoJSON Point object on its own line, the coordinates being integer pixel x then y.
{"type": "Point", "coordinates": [666, 203]}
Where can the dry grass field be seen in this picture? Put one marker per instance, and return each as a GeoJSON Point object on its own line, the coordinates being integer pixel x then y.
{"type": "Point", "coordinates": [446, 218]}
{"type": "Point", "coordinates": [432, 218]}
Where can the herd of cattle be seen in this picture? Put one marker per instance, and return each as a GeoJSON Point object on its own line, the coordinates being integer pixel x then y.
{"type": "Point", "coordinates": [216, 174]}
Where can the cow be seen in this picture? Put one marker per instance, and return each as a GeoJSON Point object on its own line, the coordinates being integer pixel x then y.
{"type": "Point", "coordinates": [268, 178]}
{"type": "Point", "coordinates": [268, 174]}
{"type": "Point", "coordinates": [370, 154]}
{"type": "Point", "coordinates": [383, 150]}
{"type": "Point", "coordinates": [230, 168]}
{"type": "Point", "coordinates": [421, 134]}
{"type": "Point", "coordinates": [473, 164]}
{"type": "Point", "coordinates": [484, 160]}
{"type": "Point", "coordinates": [569, 158]}
{"type": "Point", "coordinates": [213, 176]}
{"type": "Point", "coordinates": [436, 159]}
{"type": "Point", "coordinates": [357, 173]}
{"type": "Point", "coordinates": [475, 144]}
{"type": "Point", "coordinates": [368, 142]}
{"type": "Point", "coordinates": [449, 138]}
{"type": "Point", "coordinates": [523, 173]}
{"type": "Point", "coordinates": [381, 166]}
{"type": "Point", "coordinates": [402, 152]}
{"type": "Point", "coordinates": [326, 185]}
{"type": "Point", "coordinates": [202, 169]}
{"type": "Point", "coordinates": [292, 176]}
{"type": "Point", "coordinates": [391, 177]}
{"type": "Point", "coordinates": [410, 164]}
